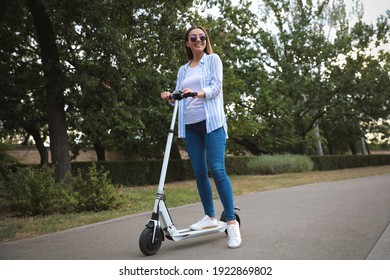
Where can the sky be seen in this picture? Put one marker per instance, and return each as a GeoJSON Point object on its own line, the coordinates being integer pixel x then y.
{"type": "Point", "coordinates": [373, 8]}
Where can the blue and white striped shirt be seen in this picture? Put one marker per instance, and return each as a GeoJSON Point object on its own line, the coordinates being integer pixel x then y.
{"type": "Point", "coordinates": [211, 82]}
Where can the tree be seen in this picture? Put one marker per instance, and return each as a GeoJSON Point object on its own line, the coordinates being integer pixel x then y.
{"type": "Point", "coordinates": [119, 71]}
{"type": "Point", "coordinates": [289, 82]}
{"type": "Point", "coordinates": [289, 68]}
{"type": "Point", "coordinates": [22, 86]}
{"type": "Point", "coordinates": [54, 88]}
{"type": "Point", "coordinates": [105, 58]}
{"type": "Point", "coordinates": [362, 83]}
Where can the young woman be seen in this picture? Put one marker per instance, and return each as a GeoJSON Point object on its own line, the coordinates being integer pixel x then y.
{"type": "Point", "coordinates": [202, 122]}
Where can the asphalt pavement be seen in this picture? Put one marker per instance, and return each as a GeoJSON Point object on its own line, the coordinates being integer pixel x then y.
{"type": "Point", "coordinates": [342, 220]}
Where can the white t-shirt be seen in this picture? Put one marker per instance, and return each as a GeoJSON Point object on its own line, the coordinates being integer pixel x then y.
{"type": "Point", "coordinates": [194, 107]}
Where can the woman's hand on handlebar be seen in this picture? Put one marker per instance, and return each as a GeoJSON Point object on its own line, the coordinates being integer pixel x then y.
{"type": "Point", "coordinates": [178, 95]}
{"type": "Point", "coordinates": [166, 96]}
{"type": "Point", "coordinates": [198, 94]}
{"type": "Point", "coordinates": [185, 91]}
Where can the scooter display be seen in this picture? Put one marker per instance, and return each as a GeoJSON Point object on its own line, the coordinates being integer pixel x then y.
{"type": "Point", "coordinates": [152, 236]}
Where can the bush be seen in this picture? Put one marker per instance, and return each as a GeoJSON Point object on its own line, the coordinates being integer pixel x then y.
{"type": "Point", "coordinates": [279, 164]}
{"type": "Point", "coordinates": [29, 191]}
{"type": "Point", "coordinates": [93, 191]}
{"type": "Point", "coordinates": [5, 158]}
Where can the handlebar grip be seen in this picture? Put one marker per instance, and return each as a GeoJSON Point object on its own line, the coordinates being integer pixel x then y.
{"type": "Point", "coordinates": [190, 94]}
{"type": "Point", "coordinates": [177, 95]}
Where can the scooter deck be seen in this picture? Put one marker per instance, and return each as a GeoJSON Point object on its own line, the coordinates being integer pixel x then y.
{"type": "Point", "coordinates": [188, 233]}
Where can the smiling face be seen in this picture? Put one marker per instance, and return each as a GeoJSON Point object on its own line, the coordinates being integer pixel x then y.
{"type": "Point", "coordinates": [196, 40]}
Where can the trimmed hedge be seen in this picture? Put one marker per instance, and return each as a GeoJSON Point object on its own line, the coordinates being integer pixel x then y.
{"type": "Point", "coordinates": [322, 163]}
{"type": "Point", "coordinates": [138, 173]}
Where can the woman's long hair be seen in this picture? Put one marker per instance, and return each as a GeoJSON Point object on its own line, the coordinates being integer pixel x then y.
{"type": "Point", "coordinates": [208, 48]}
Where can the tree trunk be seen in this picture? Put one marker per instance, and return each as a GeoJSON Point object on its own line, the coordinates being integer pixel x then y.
{"type": "Point", "coordinates": [320, 151]}
{"type": "Point", "coordinates": [100, 152]}
{"type": "Point", "coordinates": [40, 146]}
{"type": "Point", "coordinates": [364, 146]}
{"type": "Point", "coordinates": [301, 147]}
{"type": "Point", "coordinates": [54, 89]}
{"type": "Point", "coordinates": [353, 148]}
{"type": "Point", "coordinates": [330, 148]}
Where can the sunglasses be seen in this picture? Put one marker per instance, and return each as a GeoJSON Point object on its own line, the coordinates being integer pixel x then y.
{"type": "Point", "coordinates": [193, 38]}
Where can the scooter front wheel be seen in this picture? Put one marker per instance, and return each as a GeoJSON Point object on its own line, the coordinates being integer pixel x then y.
{"type": "Point", "coordinates": [146, 244]}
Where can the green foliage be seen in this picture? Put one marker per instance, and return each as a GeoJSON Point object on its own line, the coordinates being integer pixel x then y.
{"type": "Point", "coordinates": [287, 66]}
{"type": "Point", "coordinates": [311, 67]}
{"type": "Point", "coordinates": [5, 158]}
{"type": "Point", "coordinates": [280, 164]}
{"type": "Point", "coordinates": [29, 191]}
{"type": "Point", "coordinates": [93, 191]}
{"type": "Point", "coordinates": [335, 162]}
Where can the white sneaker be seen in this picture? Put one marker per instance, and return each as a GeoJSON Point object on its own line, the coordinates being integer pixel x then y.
{"type": "Point", "coordinates": [204, 223]}
{"type": "Point", "coordinates": [234, 235]}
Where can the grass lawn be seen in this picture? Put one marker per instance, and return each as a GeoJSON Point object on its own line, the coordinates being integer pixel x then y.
{"type": "Point", "coordinates": [141, 199]}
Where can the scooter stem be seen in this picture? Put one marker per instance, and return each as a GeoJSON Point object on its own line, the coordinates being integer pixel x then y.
{"type": "Point", "coordinates": [167, 152]}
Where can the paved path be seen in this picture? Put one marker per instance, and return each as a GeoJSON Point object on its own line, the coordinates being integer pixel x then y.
{"type": "Point", "coordinates": [346, 220]}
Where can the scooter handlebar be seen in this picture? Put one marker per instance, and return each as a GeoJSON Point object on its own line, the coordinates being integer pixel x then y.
{"type": "Point", "coordinates": [177, 95]}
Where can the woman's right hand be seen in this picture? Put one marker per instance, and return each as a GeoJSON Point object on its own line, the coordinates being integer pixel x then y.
{"type": "Point", "coordinates": [166, 95]}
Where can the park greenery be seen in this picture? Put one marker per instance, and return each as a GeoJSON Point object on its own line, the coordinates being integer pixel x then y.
{"type": "Point", "coordinates": [140, 200]}
{"type": "Point", "coordinates": [30, 191]}
{"type": "Point", "coordinates": [300, 77]}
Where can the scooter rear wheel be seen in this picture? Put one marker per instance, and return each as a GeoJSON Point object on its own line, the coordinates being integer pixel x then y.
{"type": "Point", "coordinates": [146, 245]}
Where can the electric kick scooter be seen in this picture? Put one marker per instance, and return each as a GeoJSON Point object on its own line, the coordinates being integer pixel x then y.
{"type": "Point", "coordinates": [152, 236]}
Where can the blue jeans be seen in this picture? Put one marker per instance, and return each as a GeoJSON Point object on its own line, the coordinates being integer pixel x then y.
{"type": "Point", "coordinates": [208, 149]}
